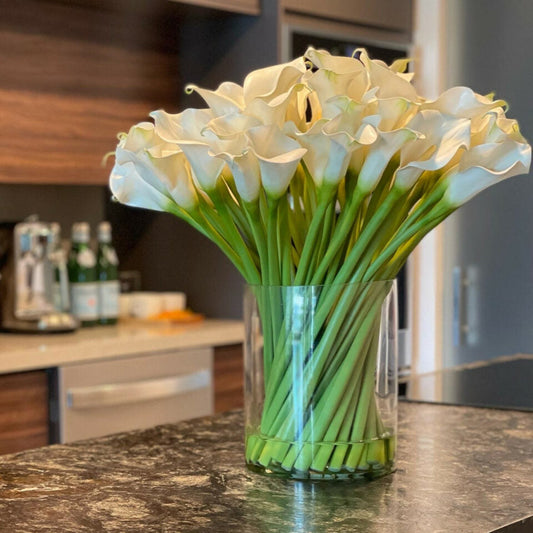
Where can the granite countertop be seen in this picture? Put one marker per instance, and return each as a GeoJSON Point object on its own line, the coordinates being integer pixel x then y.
{"type": "Point", "coordinates": [129, 338]}
{"type": "Point", "coordinates": [460, 469]}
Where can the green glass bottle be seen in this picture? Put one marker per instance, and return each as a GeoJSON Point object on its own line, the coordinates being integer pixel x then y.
{"type": "Point", "coordinates": [107, 275]}
{"type": "Point", "coordinates": [82, 276]}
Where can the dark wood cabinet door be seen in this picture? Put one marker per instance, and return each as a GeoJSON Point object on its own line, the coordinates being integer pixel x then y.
{"type": "Point", "coordinates": [23, 411]}
{"type": "Point", "coordinates": [229, 379]}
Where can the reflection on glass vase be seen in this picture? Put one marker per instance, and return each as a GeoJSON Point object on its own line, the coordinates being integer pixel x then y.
{"type": "Point", "coordinates": [321, 380]}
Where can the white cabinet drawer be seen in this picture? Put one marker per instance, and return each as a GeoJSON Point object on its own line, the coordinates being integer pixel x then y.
{"type": "Point", "coordinates": [102, 398]}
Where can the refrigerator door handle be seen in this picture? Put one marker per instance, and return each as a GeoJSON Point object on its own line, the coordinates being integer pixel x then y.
{"type": "Point", "coordinates": [126, 393]}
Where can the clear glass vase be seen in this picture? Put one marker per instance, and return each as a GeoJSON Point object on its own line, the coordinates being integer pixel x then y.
{"type": "Point", "coordinates": [321, 380]}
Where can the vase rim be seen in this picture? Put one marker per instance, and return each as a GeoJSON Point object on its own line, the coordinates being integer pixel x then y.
{"type": "Point", "coordinates": [320, 285]}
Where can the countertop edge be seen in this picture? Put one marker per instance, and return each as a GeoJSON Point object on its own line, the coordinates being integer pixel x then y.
{"type": "Point", "coordinates": [20, 353]}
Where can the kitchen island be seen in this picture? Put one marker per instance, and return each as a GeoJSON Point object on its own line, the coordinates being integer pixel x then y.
{"type": "Point", "coordinates": [460, 469]}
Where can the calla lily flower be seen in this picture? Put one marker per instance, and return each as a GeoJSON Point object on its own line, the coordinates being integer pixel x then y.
{"type": "Point", "coordinates": [483, 166]}
{"type": "Point", "coordinates": [129, 188]}
{"type": "Point", "coordinates": [161, 165]}
{"type": "Point", "coordinates": [187, 125]}
{"type": "Point", "coordinates": [269, 82]}
{"type": "Point", "coordinates": [326, 160]}
{"type": "Point", "coordinates": [463, 102]}
{"type": "Point", "coordinates": [278, 157]}
{"type": "Point", "coordinates": [244, 167]}
{"type": "Point", "coordinates": [337, 64]}
{"type": "Point", "coordinates": [390, 83]}
{"type": "Point", "coordinates": [328, 85]}
{"type": "Point", "coordinates": [379, 155]}
{"type": "Point", "coordinates": [228, 98]}
{"type": "Point", "coordinates": [443, 136]}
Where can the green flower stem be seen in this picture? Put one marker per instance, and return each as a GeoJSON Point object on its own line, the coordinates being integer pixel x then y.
{"type": "Point", "coordinates": [326, 193]}
{"type": "Point", "coordinates": [253, 216]}
{"type": "Point", "coordinates": [227, 223]}
{"type": "Point", "coordinates": [204, 226]}
{"type": "Point", "coordinates": [339, 429]}
{"type": "Point", "coordinates": [420, 228]}
{"type": "Point", "coordinates": [284, 243]}
{"type": "Point", "coordinates": [329, 403]}
{"type": "Point", "coordinates": [312, 372]}
{"type": "Point", "coordinates": [273, 277]}
{"type": "Point", "coordinates": [366, 395]}
{"type": "Point", "coordinates": [381, 191]}
{"type": "Point", "coordinates": [236, 210]}
{"type": "Point", "coordinates": [365, 238]}
{"type": "Point", "coordinates": [343, 228]}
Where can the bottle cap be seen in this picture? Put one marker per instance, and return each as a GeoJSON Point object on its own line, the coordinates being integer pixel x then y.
{"type": "Point", "coordinates": [81, 232]}
{"type": "Point", "coordinates": [104, 232]}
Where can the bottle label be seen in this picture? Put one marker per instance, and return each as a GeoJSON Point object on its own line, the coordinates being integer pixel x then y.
{"type": "Point", "coordinates": [108, 292]}
{"type": "Point", "coordinates": [86, 258]}
{"type": "Point", "coordinates": [84, 300]}
{"type": "Point", "coordinates": [111, 255]}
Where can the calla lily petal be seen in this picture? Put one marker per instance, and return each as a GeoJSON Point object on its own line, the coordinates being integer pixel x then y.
{"type": "Point", "coordinates": [484, 166]}
{"type": "Point", "coordinates": [337, 64]}
{"type": "Point", "coordinates": [443, 137]}
{"type": "Point", "coordinates": [269, 82]}
{"type": "Point", "coordinates": [462, 102]}
{"type": "Point", "coordinates": [379, 156]}
{"type": "Point", "coordinates": [206, 169]}
{"type": "Point", "coordinates": [129, 188]}
{"type": "Point", "coordinates": [246, 174]}
{"type": "Point", "coordinates": [278, 157]}
{"type": "Point", "coordinates": [227, 98]}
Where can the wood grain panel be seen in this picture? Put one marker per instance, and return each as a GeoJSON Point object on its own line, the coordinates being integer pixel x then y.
{"type": "Point", "coordinates": [228, 370]}
{"type": "Point", "coordinates": [23, 411]}
{"type": "Point", "coordinates": [72, 77]}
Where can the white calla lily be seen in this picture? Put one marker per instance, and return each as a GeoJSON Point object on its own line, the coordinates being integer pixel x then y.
{"type": "Point", "coordinates": [278, 157]}
{"type": "Point", "coordinates": [390, 83]}
{"type": "Point", "coordinates": [269, 82]}
{"type": "Point", "coordinates": [337, 64]}
{"type": "Point", "coordinates": [162, 165]}
{"type": "Point", "coordinates": [379, 155]}
{"type": "Point", "coordinates": [130, 188]}
{"type": "Point", "coordinates": [227, 98]}
{"type": "Point", "coordinates": [443, 137]}
{"type": "Point", "coordinates": [274, 111]}
{"type": "Point", "coordinates": [483, 166]}
{"type": "Point", "coordinates": [325, 159]}
{"type": "Point", "coordinates": [231, 125]}
{"type": "Point", "coordinates": [395, 113]}
{"type": "Point", "coordinates": [244, 167]}
{"type": "Point", "coordinates": [463, 102]}
{"type": "Point", "coordinates": [206, 168]}
{"type": "Point", "coordinates": [187, 125]}
{"type": "Point", "coordinates": [328, 84]}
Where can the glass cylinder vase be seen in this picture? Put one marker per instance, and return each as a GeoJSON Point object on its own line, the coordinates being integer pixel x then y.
{"type": "Point", "coordinates": [321, 380]}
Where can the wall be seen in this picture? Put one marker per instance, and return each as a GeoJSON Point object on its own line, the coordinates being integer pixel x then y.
{"type": "Point", "coordinates": [73, 75]}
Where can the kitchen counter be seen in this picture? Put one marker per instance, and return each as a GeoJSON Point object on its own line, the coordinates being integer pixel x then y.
{"type": "Point", "coordinates": [502, 382]}
{"type": "Point", "coordinates": [460, 469]}
{"type": "Point", "coordinates": [129, 338]}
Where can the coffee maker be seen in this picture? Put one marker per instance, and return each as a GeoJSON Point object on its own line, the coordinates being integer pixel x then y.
{"type": "Point", "coordinates": [33, 279]}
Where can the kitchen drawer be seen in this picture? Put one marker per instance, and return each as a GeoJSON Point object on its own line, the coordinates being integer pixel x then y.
{"type": "Point", "coordinates": [96, 399]}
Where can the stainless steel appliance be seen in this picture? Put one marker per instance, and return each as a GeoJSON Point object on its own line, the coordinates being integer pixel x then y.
{"type": "Point", "coordinates": [99, 398]}
{"type": "Point", "coordinates": [32, 279]}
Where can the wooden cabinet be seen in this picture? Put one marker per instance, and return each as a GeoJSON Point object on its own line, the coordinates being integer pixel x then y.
{"type": "Point", "coordinates": [393, 15]}
{"type": "Point", "coordinates": [249, 7]}
{"type": "Point", "coordinates": [24, 399]}
{"type": "Point", "coordinates": [229, 378]}
{"type": "Point", "coordinates": [23, 411]}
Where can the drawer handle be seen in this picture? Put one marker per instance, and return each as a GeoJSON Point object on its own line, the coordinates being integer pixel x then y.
{"type": "Point", "coordinates": [138, 391]}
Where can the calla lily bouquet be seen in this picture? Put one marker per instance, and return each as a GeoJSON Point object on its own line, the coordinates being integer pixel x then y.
{"type": "Point", "coordinates": [322, 171]}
